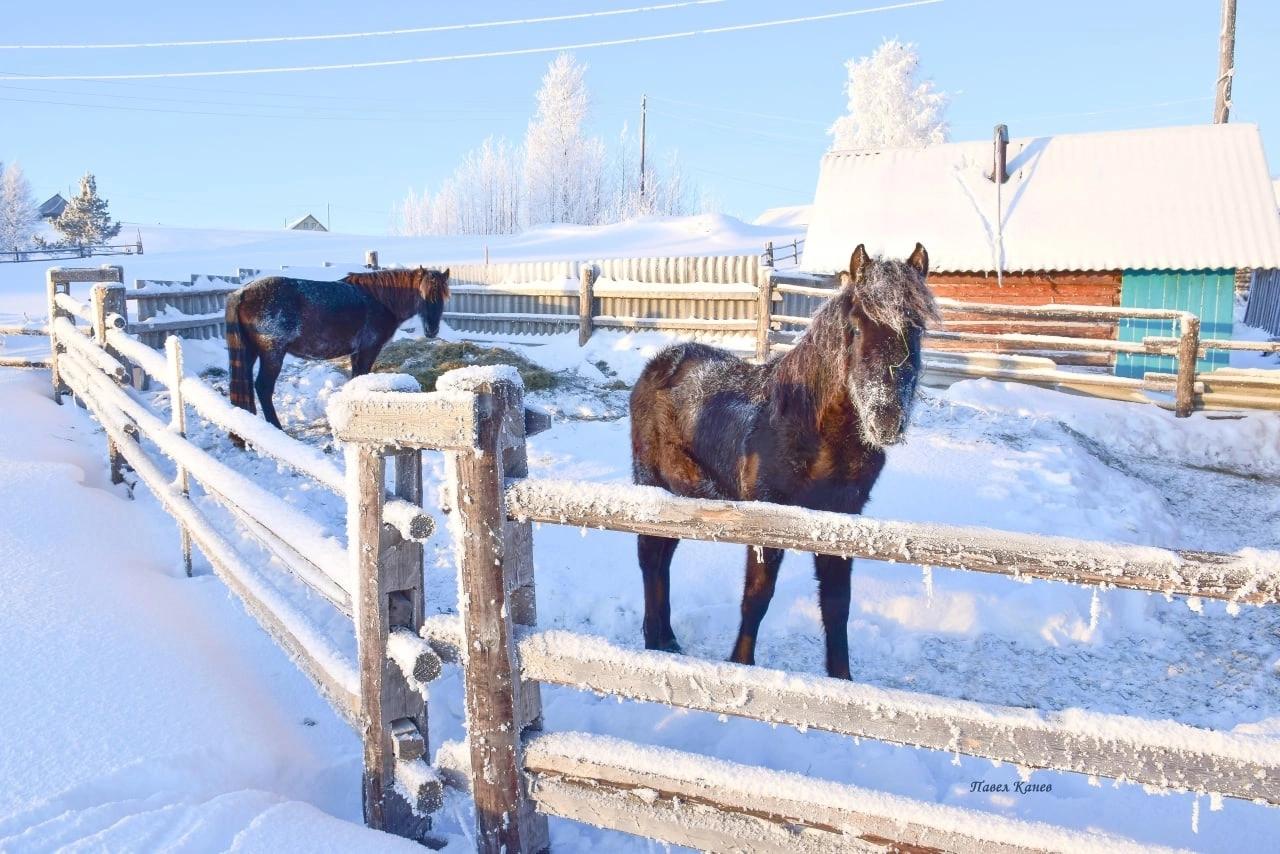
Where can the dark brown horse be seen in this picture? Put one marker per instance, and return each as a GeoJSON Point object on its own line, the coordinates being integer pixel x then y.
{"type": "Point", "coordinates": [808, 429]}
{"type": "Point", "coordinates": [355, 317]}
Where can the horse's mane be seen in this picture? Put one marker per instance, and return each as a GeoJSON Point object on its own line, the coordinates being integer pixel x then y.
{"type": "Point", "coordinates": [891, 293]}
{"type": "Point", "coordinates": [401, 291]}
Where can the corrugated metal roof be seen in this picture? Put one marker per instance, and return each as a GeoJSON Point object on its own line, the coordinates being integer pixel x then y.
{"type": "Point", "coordinates": [1182, 198]}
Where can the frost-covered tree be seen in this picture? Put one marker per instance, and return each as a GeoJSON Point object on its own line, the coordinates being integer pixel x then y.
{"type": "Point", "coordinates": [563, 167]}
{"type": "Point", "coordinates": [889, 107]}
{"type": "Point", "coordinates": [19, 215]}
{"type": "Point", "coordinates": [482, 196]}
{"type": "Point", "coordinates": [86, 220]}
{"type": "Point", "coordinates": [666, 191]}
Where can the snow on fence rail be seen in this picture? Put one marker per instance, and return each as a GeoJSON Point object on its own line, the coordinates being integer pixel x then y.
{"type": "Point", "coordinates": [515, 773]}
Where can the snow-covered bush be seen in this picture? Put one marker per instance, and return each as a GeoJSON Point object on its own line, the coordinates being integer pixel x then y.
{"type": "Point", "coordinates": [888, 106]}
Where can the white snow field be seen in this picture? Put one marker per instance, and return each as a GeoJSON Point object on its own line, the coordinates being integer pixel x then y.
{"type": "Point", "coordinates": [142, 710]}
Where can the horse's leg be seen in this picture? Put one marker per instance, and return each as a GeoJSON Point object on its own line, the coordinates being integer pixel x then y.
{"type": "Point", "coordinates": [757, 591]}
{"type": "Point", "coordinates": [655, 565]}
{"type": "Point", "coordinates": [362, 360]}
{"type": "Point", "coordinates": [833, 600]}
{"type": "Point", "coordinates": [268, 372]}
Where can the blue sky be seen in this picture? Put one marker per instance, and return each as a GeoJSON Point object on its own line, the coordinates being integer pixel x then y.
{"type": "Point", "coordinates": [254, 151]}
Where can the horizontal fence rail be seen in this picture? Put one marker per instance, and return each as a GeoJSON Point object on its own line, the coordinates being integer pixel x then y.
{"type": "Point", "coordinates": [1247, 578]}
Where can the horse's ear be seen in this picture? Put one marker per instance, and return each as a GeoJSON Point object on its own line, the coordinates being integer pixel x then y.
{"type": "Point", "coordinates": [859, 261]}
{"type": "Point", "coordinates": [920, 260]}
{"type": "Point", "coordinates": [445, 274]}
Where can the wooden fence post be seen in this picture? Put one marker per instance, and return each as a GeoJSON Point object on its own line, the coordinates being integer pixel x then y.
{"type": "Point", "coordinates": [1188, 353]}
{"type": "Point", "coordinates": [586, 303]}
{"type": "Point", "coordinates": [764, 313]}
{"type": "Point", "coordinates": [54, 287]}
{"type": "Point", "coordinates": [496, 568]}
{"type": "Point", "coordinates": [768, 253]}
{"type": "Point", "coordinates": [178, 423]}
{"type": "Point", "coordinates": [388, 597]}
{"type": "Point", "coordinates": [371, 259]}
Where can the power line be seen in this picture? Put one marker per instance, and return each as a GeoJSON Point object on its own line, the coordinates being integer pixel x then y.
{"type": "Point", "coordinates": [747, 180]}
{"type": "Point", "coordinates": [362, 111]}
{"type": "Point", "coordinates": [223, 114]}
{"type": "Point", "coordinates": [740, 112]}
{"type": "Point", "coordinates": [405, 31]}
{"type": "Point", "coordinates": [736, 129]}
{"type": "Point", "coordinates": [386, 63]}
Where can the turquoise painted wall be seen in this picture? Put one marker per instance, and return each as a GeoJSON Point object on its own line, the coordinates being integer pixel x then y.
{"type": "Point", "coordinates": [1209, 294]}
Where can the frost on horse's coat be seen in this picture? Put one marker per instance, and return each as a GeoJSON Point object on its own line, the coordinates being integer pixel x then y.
{"type": "Point", "coordinates": [355, 317]}
{"type": "Point", "coordinates": [807, 429]}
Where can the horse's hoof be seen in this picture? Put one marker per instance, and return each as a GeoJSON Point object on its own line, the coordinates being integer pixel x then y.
{"type": "Point", "coordinates": [671, 646]}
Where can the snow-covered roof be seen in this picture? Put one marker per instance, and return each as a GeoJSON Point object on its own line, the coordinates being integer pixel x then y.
{"type": "Point", "coordinates": [1179, 198]}
{"type": "Point", "coordinates": [795, 216]}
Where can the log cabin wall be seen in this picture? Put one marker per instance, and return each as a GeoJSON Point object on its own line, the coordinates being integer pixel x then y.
{"type": "Point", "coordinates": [1042, 288]}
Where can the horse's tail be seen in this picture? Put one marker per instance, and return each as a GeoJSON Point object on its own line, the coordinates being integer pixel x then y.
{"type": "Point", "coordinates": [241, 355]}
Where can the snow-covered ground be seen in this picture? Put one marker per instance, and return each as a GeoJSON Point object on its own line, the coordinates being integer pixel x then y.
{"type": "Point", "coordinates": [146, 710]}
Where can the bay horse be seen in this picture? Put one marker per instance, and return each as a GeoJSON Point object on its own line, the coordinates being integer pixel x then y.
{"type": "Point", "coordinates": [808, 429]}
{"type": "Point", "coordinates": [354, 316]}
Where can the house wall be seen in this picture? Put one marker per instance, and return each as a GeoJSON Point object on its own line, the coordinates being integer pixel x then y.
{"type": "Point", "coordinates": [1209, 294]}
{"type": "Point", "coordinates": [1043, 288]}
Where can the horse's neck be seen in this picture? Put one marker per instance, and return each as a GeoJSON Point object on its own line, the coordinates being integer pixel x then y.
{"type": "Point", "coordinates": [403, 303]}
{"type": "Point", "coordinates": [813, 375]}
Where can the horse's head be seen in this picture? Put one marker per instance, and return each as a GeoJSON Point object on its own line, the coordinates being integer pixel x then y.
{"type": "Point", "coordinates": [889, 308]}
{"type": "Point", "coordinates": [434, 287]}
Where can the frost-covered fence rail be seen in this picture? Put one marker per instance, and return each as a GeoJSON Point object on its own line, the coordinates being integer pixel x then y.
{"type": "Point", "coordinates": [604, 790]}
{"type": "Point", "coordinates": [22, 361]}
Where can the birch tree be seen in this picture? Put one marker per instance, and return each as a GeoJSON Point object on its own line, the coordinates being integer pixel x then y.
{"type": "Point", "coordinates": [19, 215]}
{"type": "Point", "coordinates": [889, 106]}
{"type": "Point", "coordinates": [563, 167]}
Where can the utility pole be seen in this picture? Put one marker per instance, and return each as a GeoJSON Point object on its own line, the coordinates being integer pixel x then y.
{"type": "Point", "coordinates": [644, 108]}
{"type": "Point", "coordinates": [328, 217]}
{"type": "Point", "coordinates": [1226, 62]}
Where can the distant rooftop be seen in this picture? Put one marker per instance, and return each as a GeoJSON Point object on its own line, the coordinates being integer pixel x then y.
{"type": "Point", "coordinates": [1181, 198]}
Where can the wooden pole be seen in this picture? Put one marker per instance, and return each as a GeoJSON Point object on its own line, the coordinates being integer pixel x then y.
{"type": "Point", "coordinates": [1188, 349]}
{"type": "Point", "coordinates": [493, 557]}
{"type": "Point", "coordinates": [53, 288]}
{"type": "Point", "coordinates": [371, 259]}
{"type": "Point", "coordinates": [644, 111]}
{"type": "Point", "coordinates": [768, 253]}
{"type": "Point", "coordinates": [764, 312]}
{"type": "Point", "coordinates": [586, 303]}
{"type": "Point", "coordinates": [388, 597]}
{"type": "Point", "coordinates": [178, 423]}
{"type": "Point", "coordinates": [1226, 63]}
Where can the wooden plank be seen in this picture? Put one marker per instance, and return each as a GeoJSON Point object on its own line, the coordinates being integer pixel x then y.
{"type": "Point", "coordinates": [433, 420]}
{"type": "Point", "coordinates": [1042, 342]}
{"type": "Point", "coordinates": [21, 362]}
{"type": "Point", "coordinates": [24, 330]}
{"type": "Point", "coordinates": [71, 306]}
{"type": "Point", "coordinates": [332, 673]}
{"type": "Point", "coordinates": [105, 273]}
{"type": "Point", "coordinates": [388, 596]}
{"type": "Point", "coordinates": [648, 510]}
{"type": "Point", "coordinates": [491, 672]}
{"type": "Point", "coordinates": [764, 309]}
{"type": "Point", "coordinates": [72, 341]}
{"type": "Point", "coordinates": [714, 805]}
{"type": "Point", "coordinates": [1074, 312]}
{"type": "Point", "coordinates": [586, 303]}
{"type": "Point", "coordinates": [1159, 753]}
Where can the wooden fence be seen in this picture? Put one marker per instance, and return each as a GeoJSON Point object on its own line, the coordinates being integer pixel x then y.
{"type": "Point", "coordinates": [65, 253]}
{"type": "Point", "coordinates": [517, 773]}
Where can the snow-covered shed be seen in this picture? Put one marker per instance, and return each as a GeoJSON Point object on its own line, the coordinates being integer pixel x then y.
{"type": "Point", "coordinates": [306, 223]}
{"type": "Point", "coordinates": [1158, 217]}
